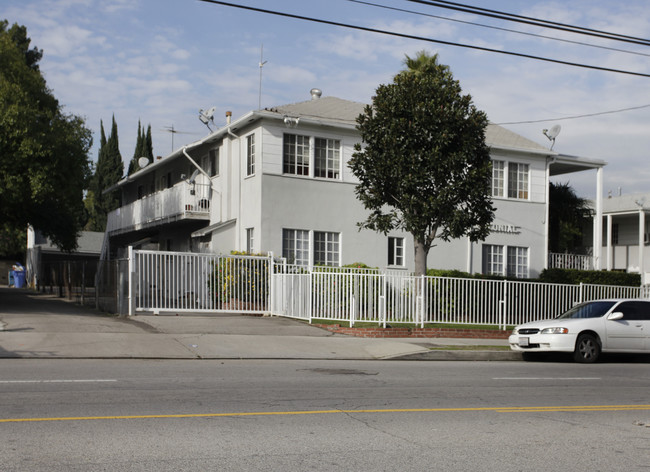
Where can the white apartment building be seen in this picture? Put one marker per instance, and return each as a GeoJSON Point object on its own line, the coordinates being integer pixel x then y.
{"type": "Point", "coordinates": [276, 180]}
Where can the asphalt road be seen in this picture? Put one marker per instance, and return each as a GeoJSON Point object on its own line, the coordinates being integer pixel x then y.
{"type": "Point", "coordinates": [139, 415]}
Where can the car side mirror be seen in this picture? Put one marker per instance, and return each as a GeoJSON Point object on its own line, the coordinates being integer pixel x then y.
{"type": "Point", "coordinates": [617, 315]}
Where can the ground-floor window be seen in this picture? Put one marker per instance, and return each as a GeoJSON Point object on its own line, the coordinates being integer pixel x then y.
{"type": "Point", "coordinates": [516, 264]}
{"type": "Point", "coordinates": [249, 240]}
{"type": "Point", "coordinates": [324, 251]}
{"type": "Point", "coordinates": [396, 251]}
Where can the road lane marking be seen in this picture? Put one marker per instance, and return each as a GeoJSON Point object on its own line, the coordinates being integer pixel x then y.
{"type": "Point", "coordinates": [56, 381]}
{"type": "Point", "coordinates": [519, 409]}
{"type": "Point", "coordinates": [546, 378]}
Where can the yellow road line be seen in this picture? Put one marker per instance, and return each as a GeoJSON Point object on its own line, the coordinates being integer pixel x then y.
{"type": "Point", "coordinates": [520, 409]}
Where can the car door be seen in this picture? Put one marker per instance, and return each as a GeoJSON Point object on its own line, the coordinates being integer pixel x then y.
{"type": "Point", "coordinates": [645, 323]}
{"type": "Point", "coordinates": [627, 333]}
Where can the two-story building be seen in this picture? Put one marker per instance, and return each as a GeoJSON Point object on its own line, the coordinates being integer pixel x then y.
{"type": "Point", "coordinates": [276, 180]}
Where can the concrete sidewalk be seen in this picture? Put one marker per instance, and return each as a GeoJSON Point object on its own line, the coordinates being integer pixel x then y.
{"type": "Point", "coordinates": [44, 326]}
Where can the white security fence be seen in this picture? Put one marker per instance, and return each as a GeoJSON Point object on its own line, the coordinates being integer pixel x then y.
{"type": "Point", "coordinates": [190, 282]}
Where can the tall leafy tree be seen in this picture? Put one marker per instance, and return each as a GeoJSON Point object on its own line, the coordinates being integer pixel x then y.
{"type": "Point", "coordinates": [568, 214]}
{"type": "Point", "coordinates": [44, 163]}
{"type": "Point", "coordinates": [424, 166]}
{"type": "Point", "coordinates": [134, 166]}
{"type": "Point", "coordinates": [143, 148]}
{"type": "Point", "coordinates": [108, 171]}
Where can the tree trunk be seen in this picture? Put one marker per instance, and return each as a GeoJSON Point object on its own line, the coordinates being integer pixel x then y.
{"type": "Point", "coordinates": [421, 253]}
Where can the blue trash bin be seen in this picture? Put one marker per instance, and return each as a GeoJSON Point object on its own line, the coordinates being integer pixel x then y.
{"type": "Point", "coordinates": [19, 278]}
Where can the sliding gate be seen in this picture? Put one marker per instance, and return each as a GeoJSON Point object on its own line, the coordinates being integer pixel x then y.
{"type": "Point", "coordinates": [163, 281]}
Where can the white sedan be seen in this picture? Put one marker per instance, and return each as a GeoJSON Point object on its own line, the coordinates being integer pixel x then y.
{"type": "Point", "coordinates": [587, 329]}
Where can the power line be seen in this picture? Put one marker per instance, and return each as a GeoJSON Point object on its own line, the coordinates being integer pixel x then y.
{"type": "Point", "coordinates": [421, 38]}
{"type": "Point", "coordinates": [574, 117]}
{"type": "Point", "coordinates": [532, 21]}
{"type": "Point", "coordinates": [580, 43]}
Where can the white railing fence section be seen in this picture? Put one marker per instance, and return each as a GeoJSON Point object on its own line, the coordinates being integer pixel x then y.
{"type": "Point", "coordinates": [570, 261]}
{"type": "Point", "coordinates": [191, 282]}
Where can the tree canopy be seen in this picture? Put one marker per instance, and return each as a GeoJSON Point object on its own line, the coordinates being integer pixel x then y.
{"type": "Point", "coordinates": [44, 162]}
{"type": "Point", "coordinates": [143, 148]}
{"type": "Point", "coordinates": [108, 171]}
{"type": "Point", "coordinates": [568, 214]}
{"type": "Point", "coordinates": [423, 166]}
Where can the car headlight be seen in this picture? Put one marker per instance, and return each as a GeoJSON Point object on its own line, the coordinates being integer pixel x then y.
{"type": "Point", "coordinates": [554, 331]}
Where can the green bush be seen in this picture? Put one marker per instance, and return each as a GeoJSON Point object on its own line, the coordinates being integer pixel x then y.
{"type": "Point", "coordinates": [598, 277]}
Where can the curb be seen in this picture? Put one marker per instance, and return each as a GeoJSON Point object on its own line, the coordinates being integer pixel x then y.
{"type": "Point", "coordinates": [452, 355]}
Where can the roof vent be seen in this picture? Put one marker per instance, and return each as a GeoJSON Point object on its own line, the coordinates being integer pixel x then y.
{"type": "Point", "coordinates": [315, 93]}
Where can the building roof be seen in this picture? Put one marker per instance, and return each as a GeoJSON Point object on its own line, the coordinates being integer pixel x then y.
{"type": "Point", "coordinates": [631, 203]}
{"type": "Point", "coordinates": [338, 112]}
{"type": "Point", "coordinates": [89, 242]}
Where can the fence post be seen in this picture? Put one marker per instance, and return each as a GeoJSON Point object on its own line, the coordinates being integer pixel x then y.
{"type": "Point", "coordinates": [581, 298]}
{"type": "Point", "coordinates": [504, 305]}
{"type": "Point", "coordinates": [421, 301]}
{"type": "Point", "coordinates": [271, 285]}
{"type": "Point", "coordinates": [131, 282]}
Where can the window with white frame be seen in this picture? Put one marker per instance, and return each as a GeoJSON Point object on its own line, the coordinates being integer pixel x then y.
{"type": "Point", "coordinates": [249, 240]}
{"type": "Point", "coordinates": [327, 158]}
{"type": "Point", "coordinates": [396, 251]}
{"type": "Point", "coordinates": [492, 259]}
{"type": "Point", "coordinates": [295, 159]}
{"type": "Point", "coordinates": [213, 158]}
{"type": "Point", "coordinates": [498, 178]}
{"type": "Point", "coordinates": [517, 262]}
{"type": "Point", "coordinates": [326, 248]}
{"type": "Point", "coordinates": [295, 246]}
{"type": "Point", "coordinates": [250, 154]}
{"type": "Point", "coordinates": [518, 180]}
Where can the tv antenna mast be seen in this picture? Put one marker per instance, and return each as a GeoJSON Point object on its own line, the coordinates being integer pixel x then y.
{"type": "Point", "coordinates": [262, 62]}
{"type": "Point", "coordinates": [173, 131]}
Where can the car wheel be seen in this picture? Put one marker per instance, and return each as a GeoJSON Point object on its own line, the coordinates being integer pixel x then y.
{"type": "Point", "coordinates": [587, 349]}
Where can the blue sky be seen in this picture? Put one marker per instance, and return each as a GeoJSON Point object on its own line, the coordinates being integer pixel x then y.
{"type": "Point", "coordinates": [161, 61]}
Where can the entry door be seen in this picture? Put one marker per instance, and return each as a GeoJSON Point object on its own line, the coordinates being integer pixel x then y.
{"type": "Point", "coordinates": [628, 333]}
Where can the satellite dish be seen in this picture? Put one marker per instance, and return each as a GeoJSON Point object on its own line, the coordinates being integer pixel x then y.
{"type": "Point", "coordinates": [143, 162]}
{"type": "Point", "coordinates": [552, 133]}
{"type": "Point", "coordinates": [207, 117]}
{"type": "Point", "coordinates": [193, 177]}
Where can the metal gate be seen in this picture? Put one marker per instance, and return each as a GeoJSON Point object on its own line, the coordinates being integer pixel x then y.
{"type": "Point", "coordinates": [163, 281]}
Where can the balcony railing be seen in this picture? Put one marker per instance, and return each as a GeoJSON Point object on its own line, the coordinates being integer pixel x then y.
{"type": "Point", "coordinates": [183, 200]}
{"type": "Point", "coordinates": [570, 261]}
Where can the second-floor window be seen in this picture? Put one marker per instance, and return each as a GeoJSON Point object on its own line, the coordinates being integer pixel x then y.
{"type": "Point", "coordinates": [295, 159]}
{"type": "Point", "coordinates": [327, 158]}
{"type": "Point", "coordinates": [518, 180]}
{"type": "Point", "coordinates": [513, 176]}
{"type": "Point", "coordinates": [302, 153]}
{"type": "Point", "coordinates": [213, 158]}
{"type": "Point", "coordinates": [250, 154]}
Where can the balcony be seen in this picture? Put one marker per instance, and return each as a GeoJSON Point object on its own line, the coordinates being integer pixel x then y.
{"type": "Point", "coordinates": [570, 261]}
{"type": "Point", "coordinates": [182, 201]}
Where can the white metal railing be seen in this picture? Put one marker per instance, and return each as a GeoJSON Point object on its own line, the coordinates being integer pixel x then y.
{"type": "Point", "coordinates": [570, 261]}
{"type": "Point", "coordinates": [172, 282]}
{"type": "Point", "coordinates": [189, 282]}
{"type": "Point", "coordinates": [183, 199]}
{"type": "Point", "coordinates": [382, 298]}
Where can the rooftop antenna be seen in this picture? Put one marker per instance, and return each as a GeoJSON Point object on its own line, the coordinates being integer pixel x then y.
{"type": "Point", "coordinates": [262, 62]}
{"type": "Point", "coordinates": [207, 117]}
{"type": "Point", "coordinates": [552, 133]}
{"type": "Point", "coordinates": [173, 131]}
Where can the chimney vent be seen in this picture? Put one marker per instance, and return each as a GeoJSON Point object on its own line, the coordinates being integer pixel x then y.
{"type": "Point", "coordinates": [315, 93]}
{"type": "Point", "coordinates": [228, 117]}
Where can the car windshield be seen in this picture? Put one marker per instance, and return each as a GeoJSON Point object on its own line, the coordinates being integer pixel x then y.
{"type": "Point", "coordinates": [588, 310]}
